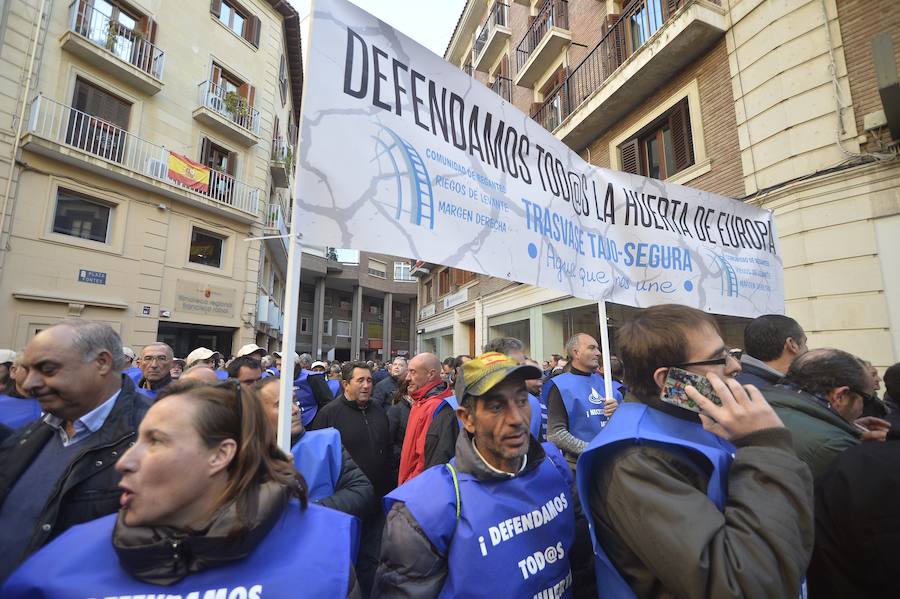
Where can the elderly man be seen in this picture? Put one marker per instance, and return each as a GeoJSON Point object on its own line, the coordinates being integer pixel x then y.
{"type": "Point", "coordinates": [821, 400]}
{"type": "Point", "coordinates": [156, 364]}
{"type": "Point", "coordinates": [387, 386]}
{"type": "Point", "coordinates": [432, 426]}
{"type": "Point", "coordinates": [577, 406]}
{"type": "Point", "coordinates": [58, 471]}
{"type": "Point", "coordinates": [771, 343]}
{"type": "Point", "coordinates": [500, 520]}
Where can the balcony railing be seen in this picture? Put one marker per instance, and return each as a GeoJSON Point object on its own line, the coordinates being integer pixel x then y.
{"type": "Point", "coordinates": [497, 17]}
{"type": "Point", "coordinates": [502, 86]}
{"type": "Point", "coordinates": [275, 219]}
{"type": "Point", "coordinates": [230, 105]}
{"type": "Point", "coordinates": [127, 44]}
{"type": "Point", "coordinates": [555, 13]}
{"type": "Point", "coordinates": [92, 135]}
{"type": "Point", "coordinates": [283, 152]}
{"type": "Point", "coordinates": [622, 39]}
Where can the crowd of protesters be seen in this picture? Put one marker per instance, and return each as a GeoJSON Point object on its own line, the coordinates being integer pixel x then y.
{"type": "Point", "coordinates": [774, 475]}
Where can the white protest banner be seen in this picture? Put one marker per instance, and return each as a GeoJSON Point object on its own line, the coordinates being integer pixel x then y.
{"type": "Point", "coordinates": [405, 154]}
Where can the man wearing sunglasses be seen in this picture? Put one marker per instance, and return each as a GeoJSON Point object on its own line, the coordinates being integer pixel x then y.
{"type": "Point", "coordinates": [681, 504]}
{"type": "Point", "coordinates": [821, 401]}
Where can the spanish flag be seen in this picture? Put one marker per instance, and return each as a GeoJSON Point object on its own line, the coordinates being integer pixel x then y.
{"type": "Point", "coordinates": [185, 171]}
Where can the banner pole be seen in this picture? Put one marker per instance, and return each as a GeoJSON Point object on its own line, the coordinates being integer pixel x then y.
{"type": "Point", "coordinates": [604, 348]}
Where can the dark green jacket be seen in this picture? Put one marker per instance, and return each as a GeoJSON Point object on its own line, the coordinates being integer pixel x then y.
{"type": "Point", "coordinates": [819, 434]}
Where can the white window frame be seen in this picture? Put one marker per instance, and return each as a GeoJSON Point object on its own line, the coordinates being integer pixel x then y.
{"type": "Point", "coordinates": [326, 328]}
{"type": "Point", "coordinates": [398, 272]}
{"type": "Point", "coordinates": [304, 325]}
{"type": "Point", "coordinates": [374, 272]}
{"type": "Point", "coordinates": [337, 328]}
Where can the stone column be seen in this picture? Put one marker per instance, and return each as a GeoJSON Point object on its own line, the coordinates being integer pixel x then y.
{"type": "Point", "coordinates": [387, 322]}
{"type": "Point", "coordinates": [354, 324]}
{"type": "Point", "coordinates": [318, 318]}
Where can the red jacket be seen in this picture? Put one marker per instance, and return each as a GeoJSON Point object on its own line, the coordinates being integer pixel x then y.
{"type": "Point", "coordinates": [425, 402]}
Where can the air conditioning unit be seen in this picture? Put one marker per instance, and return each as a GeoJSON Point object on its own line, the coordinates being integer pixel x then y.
{"type": "Point", "coordinates": [262, 309]}
{"type": "Point", "coordinates": [158, 169]}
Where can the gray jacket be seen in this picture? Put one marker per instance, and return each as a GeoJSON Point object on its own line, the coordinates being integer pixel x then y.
{"type": "Point", "coordinates": [412, 568]}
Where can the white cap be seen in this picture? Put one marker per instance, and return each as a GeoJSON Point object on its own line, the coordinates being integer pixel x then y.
{"type": "Point", "coordinates": [129, 353]}
{"type": "Point", "coordinates": [322, 364]}
{"type": "Point", "coordinates": [250, 348]}
{"type": "Point", "coordinates": [201, 353]}
{"type": "Point", "coordinates": [277, 354]}
{"type": "Point", "coordinates": [7, 356]}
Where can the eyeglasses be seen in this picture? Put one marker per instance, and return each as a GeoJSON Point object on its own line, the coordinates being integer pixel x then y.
{"type": "Point", "coordinates": [729, 353]}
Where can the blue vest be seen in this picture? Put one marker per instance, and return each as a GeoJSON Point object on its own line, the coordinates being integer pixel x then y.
{"type": "Point", "coordinates": [537, 430]}
{"type": "Point", "coordinates": [335, 386]}
{"type": "Point", "coordinates": [583, 397]}
{"type": "Point", "coordinates": [511, 538]}
{"type": "Point", "coordinates": [318, 541]}
{"type": "Point", "coordinates": [317, 456]}
{"type": "Point", "coordinates": [16, 412]}
{"type": "Point", "coordinates": [636, 424]}
{"type": "Point", "coordinates": [305, 398]}
{"type": "Point", "coordinates": [221, 374]}
{"type": "Point", "coordinates": [149, 393]}
{"type": "Point", "coordinates": [448, 402]}
{"type": "Point", "coordinates": [134, 373]}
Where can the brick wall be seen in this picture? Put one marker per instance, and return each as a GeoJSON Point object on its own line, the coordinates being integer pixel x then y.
{"type": "Point", "coordinates": [860, 21]}
{"type": "Point", "coordinates": [719, 123]}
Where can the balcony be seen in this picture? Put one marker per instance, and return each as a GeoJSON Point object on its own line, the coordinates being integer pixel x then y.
{"type": "Point", "coordinates": [124, 53]}
{"type": "Point", "coordinates": [281, 164]}
{"type": "Point", "coordinates": [502, 86]}
{"type": "Point", "coordinates": [75, 137]}
{"type": "Point", "coordinates": [277, 228]}
{"type": "Point", "coordinates": [468, 69]}
{"type": "Point", "coordinates": [227, 113]}
{"type": "Point", "coordinates": [544, 42]}
{"type": "Point", "coordinates": [491, 37]}
{"type": "Point", "coordinates": [646, 45]}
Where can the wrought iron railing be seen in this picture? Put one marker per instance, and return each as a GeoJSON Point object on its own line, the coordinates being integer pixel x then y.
{"type": "Point", "coordinates": [128, 45]}
{"type": "Point", "coordinates": [623, 38]}
{"type": "Point", "coordinates": [497, 17]}
{"type": "Point", "coordinates": [502, 86]}
{"type": "Point", "coordinates": [92, 135]}
{"type": "Point", "coordinates": [554, 13]}
{"type": "Point", "coordinates": [283, 152]}
{"type": "Point", "coordinates": [230, 105]}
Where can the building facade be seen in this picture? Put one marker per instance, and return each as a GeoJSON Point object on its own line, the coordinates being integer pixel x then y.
{"type": "Point", "coordinates": [781, 104]}
{"type": "Point", "coordinates": [147, 162]}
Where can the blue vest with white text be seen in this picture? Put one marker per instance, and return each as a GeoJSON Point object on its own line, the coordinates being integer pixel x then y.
{"type": "Point", "coordinates": [16, 412]}
{"type": "Point", "coordinates": [305, 398]}
{"type": "Point", "coordinates": [536, 424]}
{"type": "Point", "coordinates": [318, 541]}
{"type": "Point", "coordinates": [317, 456]}
{"type": "Point", "coordinates": [637, 424]}
{"type": "Point", "coordinates": [583, 397]}
{"type": "Point", "coordinates": [512, 537]}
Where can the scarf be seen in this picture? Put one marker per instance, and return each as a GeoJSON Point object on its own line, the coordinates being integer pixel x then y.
{"type": "Point", "coordinates": [424, 402]}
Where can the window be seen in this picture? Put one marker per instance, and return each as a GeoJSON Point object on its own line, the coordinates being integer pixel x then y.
{"type": "Point", "coordinates": [377, 268]}
{"type": "Point", "coordinates": [326, 328]}
{"type": "Point", "coordinates": [343, 328]}
{"type": "Point", "coordinates": [307, 294]}
{"type": "Point", "coordinates": [400, 334]}
{"type": "Point", "coordinates": [237, 18]}
{"type": "Point", "coordinates": [304, 325]}
{"type": "Point", "coordinates": [663, 148]}
{"type": "Point", "coordinates": [79, 216]}
{"type": "Point", "coordinates": [283, 79]}
{"type": "Point", "coordinates": [429, 291]}
{"type": "Point", "coordinates": [401, 272]}
{"type": "Point", "coordinates": [374, 330]}
{"type": "Point", "coordinates": [99, 121]}
{"type": "Point", "coordinates": [461, 277]}
{"type": "Point", "coordinates": [374, 308]}
{"type": "Point", "coordinates": [217, 158]}
{"type": "Point", "coordinates": [444, 282]}
{"type": "Point", "coordinates": [206, 248]}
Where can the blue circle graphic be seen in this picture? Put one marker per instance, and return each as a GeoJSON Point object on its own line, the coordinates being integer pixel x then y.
{"type": "Point", "coordinates": [532, 250]}
{"type": "Point", "coordinates": [688, 286]}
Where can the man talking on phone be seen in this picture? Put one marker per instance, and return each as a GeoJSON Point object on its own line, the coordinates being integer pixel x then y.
{"type": "Point", "coordinates": [688, 504]}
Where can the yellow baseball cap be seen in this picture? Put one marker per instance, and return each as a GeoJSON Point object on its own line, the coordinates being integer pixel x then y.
{"type": "Point", "coordinates": [486, 371]}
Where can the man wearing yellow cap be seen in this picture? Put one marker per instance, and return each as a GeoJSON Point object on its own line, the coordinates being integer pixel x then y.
{"type": "Point", "coordinates": [501, 519]}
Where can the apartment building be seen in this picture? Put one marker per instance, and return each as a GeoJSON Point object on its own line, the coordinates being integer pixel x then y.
{"type": "Point", "coordinates": [361, 311]}
{"type": "Point", "coordinates": [786, 105]}
{"type": "Point", "coordinates": [147, 162]}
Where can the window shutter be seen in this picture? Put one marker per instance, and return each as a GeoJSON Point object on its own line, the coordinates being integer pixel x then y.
{"type": "Point", "coordinates": [631, 160]}
{"type": "Point", "coordinates": [244, 91]}
{"type": "Point", "coordinates": [232, 163]}
{"type": "Point", "coordinates": [251, 95]}
{"type": "Point", "coordinates": [215, 7]}
{"type": "Point", "coordinates": [204, 151]}
{"type": "Point", "coordinates": [504, 66]}
{"type": "Point", "coordinates": [276, 129]}
{"type": "Point", "coordinates": [615, 45]}
{"type": "Point", "coordinates": [535, 106]}
{"type": "Point", "coordinates": [253, 36]}
{"type": "Point", "coordinates": [682, 141]}
{"type": "Point", "coordinates": [671, 7]}
{"type": "Point", "coordinates": [216, 75]}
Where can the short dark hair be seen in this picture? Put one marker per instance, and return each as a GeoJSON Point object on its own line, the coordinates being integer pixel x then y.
{"type": "Point", "coordinates": [504, 345]}
{"type": "Point", "coordinates": [448, 362]}
{"type": "Point", "coordinates": [234, 369]}
{"type": "Point", "coordinates": [764, 336]}
{"type": "Point", "coordinates": [348, 368]}
{"type": "Point", "coordinates": [618, 369]}
{"type": "Point", "coordinates": [821, 370]}
{"type": "Point", "coordinates": [891, 380]}
{"type": "Point", "coordinates": [458, 360]}
{"type": "Point", "coordinates": [656, 337]}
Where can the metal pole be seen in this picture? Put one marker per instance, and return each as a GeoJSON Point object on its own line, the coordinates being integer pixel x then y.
{"type": "Point", "coordinates": [604, 347]}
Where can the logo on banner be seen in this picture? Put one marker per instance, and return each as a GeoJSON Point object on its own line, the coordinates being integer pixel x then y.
{"type": "Point", "coordinates": [406, 186]}
{"type": "Point", "coordinates": [595, 397]}
{"type": "Point", "coordinates": [727, 276]}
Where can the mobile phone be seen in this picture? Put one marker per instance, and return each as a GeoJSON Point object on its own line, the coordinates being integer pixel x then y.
{"type": "Point", "coordinates": [673, 390]}
{"type": "Point", "coordinates": [861, 427]}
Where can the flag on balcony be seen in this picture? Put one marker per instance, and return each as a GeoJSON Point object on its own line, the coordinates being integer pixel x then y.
{"type": "Point", "coordinates": [185, 171]}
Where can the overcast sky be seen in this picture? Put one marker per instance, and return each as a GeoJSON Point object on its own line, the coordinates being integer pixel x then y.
{"type": "Point", "coordinates": [429, 22]}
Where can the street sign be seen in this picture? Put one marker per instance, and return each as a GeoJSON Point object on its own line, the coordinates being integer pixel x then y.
{"type": "Point", "coordinates": [92, 276]}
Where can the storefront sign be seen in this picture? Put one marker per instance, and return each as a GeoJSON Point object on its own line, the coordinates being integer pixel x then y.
{"type": "Point", "coordinates": [406, 154]}
{"type": "Point", "coordinates": [427, 312]}
{"type": "Point", "coordinates": [208, 300]}
{"type": "Point", "coordinates": [460, 297]}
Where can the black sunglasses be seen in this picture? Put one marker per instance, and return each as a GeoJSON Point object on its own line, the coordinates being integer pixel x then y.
{"type": "Point", "coordinates": [729, 353]}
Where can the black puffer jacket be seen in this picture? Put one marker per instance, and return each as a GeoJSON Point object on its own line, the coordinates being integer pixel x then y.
{"type": "Point", "coordinates": [89, 487]}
